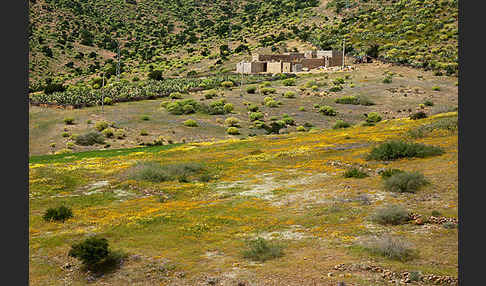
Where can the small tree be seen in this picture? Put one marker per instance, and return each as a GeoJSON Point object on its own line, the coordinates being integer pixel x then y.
{"type": "Point", "coordinates": [91, 251]}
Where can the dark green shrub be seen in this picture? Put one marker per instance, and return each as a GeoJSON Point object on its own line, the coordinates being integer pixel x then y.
{"type": "Point", "coordinates": [288, 82]}
{"type": "Point", "coordinates": [233, 131]}
{"type": "Point", "coordinates": [288, 120]}
{"type": "Point", "coordinates": [387, 79]}
{"type": "Point", "coordinates": [54, 87]}
{"type": "Point", "coordinates": [355, 173]}
{"type": "Point", "coordinates": [373, 117]}
{"type": "Point", "coordinates": [394, 149]}
{"type": "Point", "coordinates": [255, 116]}
{"type": "Point", "coordinates": [101, 125]}
{"type": "Point", "coordinates": [336, 88]}
{"type": "Point", "coordinates": [418, 115]}
{"type": "Point", "coordinates": [61, 213]}
{"type": "Point", "coordinates": [253, 107]}
{"type": "Point", "coordinates": [392, 214]}
{"type": "Point", "coordinates": [108, 132]}
{"type": "Point", "coordinates": [175, 95]}
{"type": "Point", "coordinates": [91, 251]}
{"type": "Point", "coordinates": [267, 90]}
{"type": "Point", "coordinates": [143, 132]}
{"type": "Point", "coordinates": [69, 121]}
{"type": "Point", "coordinates": [251, 89]}
{"type": "Point", "coordinates": [209, 94]}
{"type": "Point", "coordinates": [387, 173]}
{"type": "Point", "coordinates": [327, 110]}
{"type": "Point", "coordinates": [341, 124]}
{"type": "Point", "coordinates": [428, 103]}
{"type": "Point", "coordinates": [435, 213]}
{"type": "Point", "coordinates": [89, 139]}
{"type": "Point", "coordinates": [405, 182]}
{"type": "Point", "coordinates": [262, 250]}
{"type": "Point", "coordinates": [145, 117]}
{"type": "Point", "coordinates": [190, 123]}
{"type": "Point", "coordinates": [155, 75]}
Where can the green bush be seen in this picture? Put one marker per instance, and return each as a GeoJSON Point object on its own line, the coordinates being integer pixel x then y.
{"type": "Point", "coordinates": [288, 120]}
{"type": "Point", "coordinates": [255, 116]}
{"type": "Point", "coordinates": [288, 82]}
{"type": "Point", "coordinates": [190, 123]}
{"type": "Point", "coordinates": [69, 121]}
{"type": "Point", "coordinates": [336, 88]}
{"type": "Point", "coordinates": [338, 80]}
{"type": "Point", "coordinates": [120, 134]}
{"type": "Point", "coordinates": [101, 125]}
{"type": "Point", "coordinates": [436, 88]}
{"type": "Point", "coordinates": [418, 115]}
{"type": "Point", "coordinates": [405, 182]}
{"type": "Point", "coordinates": [387, 79]}
{"type": "Point", "coordinates": [143, 132]}
{"type": "Point", "coordinates": [89, 139]}
{"type": "Point", "coordinates": [145, 118]}
{"type": "Point", "coordinates": [428, 103]}
{"type": "Point", "coordinates": [289, 94]}
{"type": "Point", "coordinates": [107, 101]}
{"type": "Point", "coordinates": [227, 84]}
{"type": "Point", "coordinates": [271, 103]}
{"type": "Point", "coordinates": [251, 89]}
{"type": "Point", "coordinates": [253, 107]}
{"type": "Point", "coordinates": [355, 173]}
{"type": "Point", "coordinates": [373, 117]}
{"type": "Point", "coordinates": [262, 250]}
{"type": "Point", "coordinates": [65, 134]}
{"type": "Point", "coordinates": [302, 108]}
{"type": "Point", "coordinates": [395, 149]}
{"type": "Point", "coordinates": [108, 132]}
{"type": "Point", "coordinates": [175, 95]}
{"type": "Point", "coordinates": [327, 110]}
{"type": "Point", "coordinates": [232, 122]}
{"type": "Point", "coordinates": [61, 213]}
{"type": "Point", "coordinates": [155, 75]}
{"type": "Point", "coordinates": [387, 173]}
{"type": "Point", "coordinates": [91, 251]}
{"type": "Point", "coordinates": [265, 84]}
{"type": "Point", "coordinates": [392, 214]}
{"type": "Point", "coordinates": [179, 107]}
{"type": "Point", "coordinates": [268, 90]}
{"type": "Point", "coordinates": [341, 124]}
{"type": "Point", "coordinates": [233, 131]}
{"type": "Point", "coordinates": [436, 213]}
{"type": "Point", "coordinates": [228, 107]}
{"type": "Point", "coordinates": [209, 94]}
{"type": "Point", "coordinates": [301, 129]}
{"type": "Point", "coordinates": [154, 171]}
{"type": "Point", "coordinates": [348, 100]}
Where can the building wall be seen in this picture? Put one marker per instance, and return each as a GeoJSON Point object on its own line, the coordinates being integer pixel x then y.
{"type": "Point", "coordinates": [336, 60]}
{"type": "Point", "coordinates": [286, 67]}
{"type": "Point", "coordinates": [313, 63]}
{"type": "Point", "coordinates": [323, 54]}
{"type": "Point", "coordinates": [296, 67]}
{"type": "Point", "coordinates": [274, 67]}
{"type": "Point", "coordinates": [257, 67]}
{"type": "Point", "coordinates": [284, 58]}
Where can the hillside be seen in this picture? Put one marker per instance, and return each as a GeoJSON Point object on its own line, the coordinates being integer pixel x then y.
{"type": "Point", "coordinates": [74, 42]}
{"type": "Point", "coordinates": [287, 189]}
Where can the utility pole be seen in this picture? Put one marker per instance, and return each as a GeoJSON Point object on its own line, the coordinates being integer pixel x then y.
{"type": "Point", "coordinates": [344, 45]}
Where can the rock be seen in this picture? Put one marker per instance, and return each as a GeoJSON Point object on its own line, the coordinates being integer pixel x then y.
{"type": "Point", "coordinates": [330, 274]}
{"type": "Point", "coordinates": [418, 221]}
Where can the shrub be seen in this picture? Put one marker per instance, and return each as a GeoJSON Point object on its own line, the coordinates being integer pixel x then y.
{"type": "Point", "coordinates": [255, 116]}
{"type": "Point", "coordinates": [288, 82]}
{"type": "Point", "coordinates": [69, 121]}
{"type": "Point", "coordinates": [120, 134]}
{"type": "Point", "coordinates": [233, 131]}
{"type": "Point", "coordinates": [107, 101]}
{"type": "Point", "coordinates": [275, 127]}
{"type": "Point", "coordinates": [54, 87]}
{"type": "Point", "coordinates": [61, 213]}
{"type": "Point", "coordinates": [341, 124]}
{"type": "Point", "coordinates": [405, 182]}
{"type": "Point", "coordinates": [338, 80]}
{"type": "Point", "coordinates": [301, 108]}
{"type": "Point", "coordinates": [89, 139]}
{"type": "Point", "coordinates": [262, 250]}
{"type": "Point", "coordinates": [108, 132]}
{"type": "Point", "coordinates": [190, 123]}
{"type": "Point", "coordinates": [179, 107]}
{"type": "Point", "coordinates": [251, 89]}
{"type": "Point", "coordinates": [392, 214]}
{"type": "Point", "coordinates": [436, 213]}
{"type": "Point", "coordinates": [348, 100]}
{"type": "Point", "coordinates": [265, 84]}
{"type": "Point", "coordinates": [387, 79]}
{"type": "Point", "coordinates": [387, 173]}
{"type": "Point", "coordinates": [155, 75]}
{"type": "Point", "coordinates": [390, 247]}
{"type": "Point", "coordinates": [228, 108]}
{"type": "Point", "coordinates": [95, 255]}
{"type": "Point", "coordinates": [327, 110]}
{"type": "Point", "coordinates": [418, 115]}
{"type": "Point", "coordinates": [301, 129]}
{"type": "Point", "coordinates": [449, 225]}
{"type": "Point", "coordinates": [373, 117]}
{"type": "Point", "coordinates": [175, 95]}
{"type": "Point", "coordinates": [268, 90]}
{"type": "Point", "coordinates": [70, 145]}
{"type": "Point", "coordinates": [428, 103]}
{"type": "Point", "coordinates": [209, 94]}
{"type": "Point", "coordinates": [231, 122]}
{"type": "Point", "coordinates": [271, 103]}
{"type": "Point", "coordinates": [101, 125]}
{"type": "Point", "coordinates": [395, 149]}
{"type": "Point", "coordinates": [227, 84]}
{"type": "Point", "coordinates": [145, 117]}
{"type": "Point", "coordinates": [355, 173]}
{"type": "Point", "coordinates": [336, 88]}
{"type": "Point", "coordinates": [289, 94]}
{"type": "Point", "coordinates": [65, 134]}
{"type": "Point", "coordinates": [436, 88]}
{"type": "Point", "coordinates": [143, 133]}
{"type": "Point", "coordinates": [253, 107]}
{"type": "Point", "coordinates": [155, 172]}
{"type": "Point", "coordinates": [288, 120]}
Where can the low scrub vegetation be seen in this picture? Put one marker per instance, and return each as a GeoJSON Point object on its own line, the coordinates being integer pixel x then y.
{"type": "Point", "coordinates": [327, 110]}
{"type": "Point", "coordinates": [154, 171]}
{"type": "Point", "coordinates": [61, 213]}
{"type": "Point", "coordinates": [95, 255]}
{"type": "Point", "coordinates": [392, 214]}
{"type": "Point", "coordinates": [233, 131]}
{"type": "Point", "coordinates": [449, 124]}
{"type": "Point", "coordinates": [89, 139]}
{"type": "Point", "coordinates": [262, 250]}
{"type": "Point", "coordinates": [418, 115]}
{"type": "Point", "coordinates": [355, 100]}
{"type": "Point", "coordinates": [389, 247]}
{"type": "Point", "coordinates": [355, 173]}
{"type": "Point", "coordinates": [190, 123]}
{"type": "Point", "coordinates": [341, 124]}
{"type": "Point", "coordinates": [405, 182]}
{"type": "Point", "coordinates": [397, 149]}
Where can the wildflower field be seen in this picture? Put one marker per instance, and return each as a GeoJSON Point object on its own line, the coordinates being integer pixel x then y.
{"type": "Point", "coordinates": [286, 188]}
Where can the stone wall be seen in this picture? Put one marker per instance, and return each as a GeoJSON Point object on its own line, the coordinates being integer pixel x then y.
{"type": "Point", "coordinates": [313, 63]}
{"type": "Point", "coordinates": [275, 58]}
{"type": "Point", "coordinates": [274, 67]}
